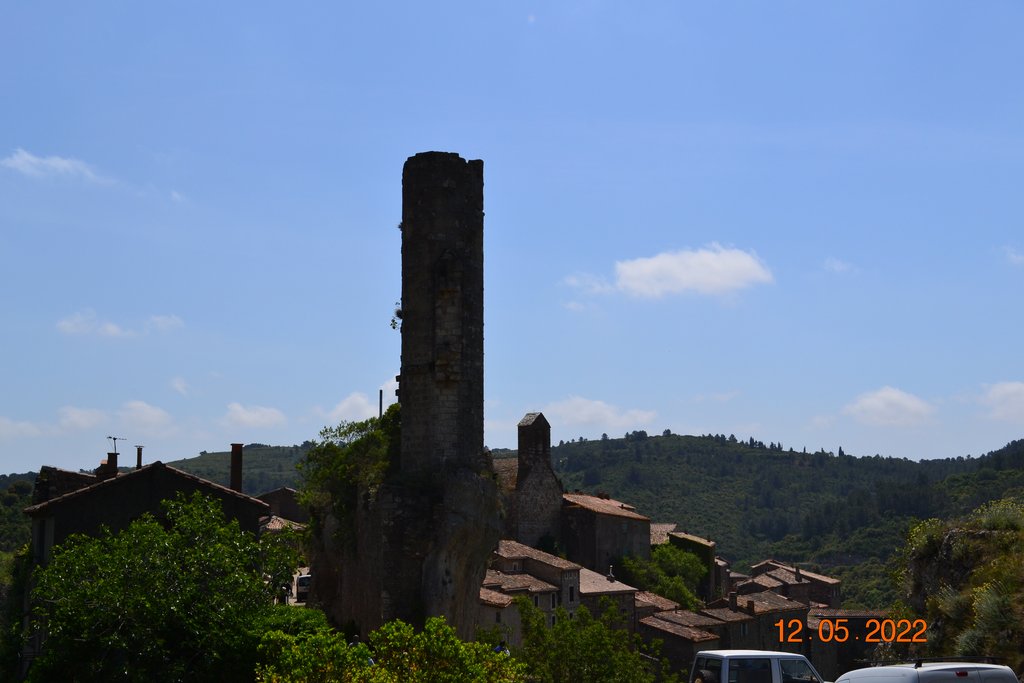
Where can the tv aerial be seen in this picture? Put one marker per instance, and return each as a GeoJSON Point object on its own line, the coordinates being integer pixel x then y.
{"type": "Point", "coordinates": [115, 439]}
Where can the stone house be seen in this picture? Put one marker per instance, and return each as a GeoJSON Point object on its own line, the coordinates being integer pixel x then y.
{"type": "Point", "coordinates": [801, 585]}
{"type": "Point", "coordinates": [115, 500]}
{"type": "Point", "coordinates": [704, 549]}
{"type": "Point", "coordinates": [679, 643]}
{"type": "Point", "coordinates": [284, 503]}
{"type": "Point", "coordinates": [596, 531]}
{"type": "Point", "coordinates": [596, 590]}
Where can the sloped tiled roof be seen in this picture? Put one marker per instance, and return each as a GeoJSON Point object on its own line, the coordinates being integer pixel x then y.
{"type": "Point", "coordinates": [592, 583]}
{"type": "Point", "coordinates": [726, 614]}
{"type": "Point", "coordinates": [148, 470]}
{"type": "Point", "coordinates": [513, 550]}
{"type": "Point", "coordinates": [648, 599]}
{"type": "Point", "coordinates": [687, 618]}
{"type": "Point", "coordinates": [603, 506]}
{"type": "Point", "coordinates": [516, 582]}
{"type": "Point", "coordinates": [769, 565]}
{"type": "Point", "coordinates": [685, 632]}
{"type": "Point", "coordinates": [494, 598]}
{"type": "Point", "coordinates": [693, 539]}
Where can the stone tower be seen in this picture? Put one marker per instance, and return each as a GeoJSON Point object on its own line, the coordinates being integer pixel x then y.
{"type": "Point", "coordinates": [420, 541]}
{"type": "Point", "coordinates": [442, 381]}
{"type": "Point", "coordinates": [538, 503]}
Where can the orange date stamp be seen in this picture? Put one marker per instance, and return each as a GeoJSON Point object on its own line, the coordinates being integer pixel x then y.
{"type": "Point", "coordinates": [839, 631]}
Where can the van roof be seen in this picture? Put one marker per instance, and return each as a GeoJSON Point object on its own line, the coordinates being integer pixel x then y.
{"type": "Point", "coordinates": [749, 653]}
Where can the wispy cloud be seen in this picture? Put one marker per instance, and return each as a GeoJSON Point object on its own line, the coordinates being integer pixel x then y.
{"type": "Point", "coordinates": [164, 323]}
{"type": "Point", "coordinates": [355, 406]}
{"type": "Point", "coordinates": [579, 411]}
{"type": "Point", "coordinates": [889, 407]}
{"type": "Point", "coordinates": [72, 418]}
{"type": "Point", "coordinates": [1014, 256]}
{"type": "Point", "coordinates": [33, 166]}
{"type": "Point", "coordinates": [180, 385]}
{"type": "Point", "coordinates": [14, 428]}
{"type": "Point", "coordinates": [86, 322]}
{"type": "Point", "coordinates": [834, 265]}
{"type": "Point", "coordinates": [1005, 401]}
{"type": "Point", "coordinates": [253, 416]}
{"type": "Point", "coordinates": [710, 270]}
{"type": "Point", "coordinates": [144, 419]}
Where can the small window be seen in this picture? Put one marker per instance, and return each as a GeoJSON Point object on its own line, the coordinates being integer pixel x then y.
{"type": "Point", "coordinates": [536, 601]}
{"type": "Point", "coordinates": [553, 601]}
{"type": "Point", "coordinates": [497, 616]}
{"type": "Point", "coordinates": [572, 593]}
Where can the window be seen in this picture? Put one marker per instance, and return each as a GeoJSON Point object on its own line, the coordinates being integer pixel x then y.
{"type": "Point", "coordinates": [796, 671]}
{"type": "Point", "coordinates": [497, 616]}
{"type": "Point", "coordinates": [572, 593]}
{"type": "Point", "coordinates": [553, 601]}
{"type": "Point", "coordinates": [536, 601]}
{"type": "Point", "coordinates": [750, 670]}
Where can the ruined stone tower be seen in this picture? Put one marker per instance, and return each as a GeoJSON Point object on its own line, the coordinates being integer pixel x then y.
{"type": "Point", "coordinates": [422, 538]}
{"type": "Point", "coordinates": [442, 381]}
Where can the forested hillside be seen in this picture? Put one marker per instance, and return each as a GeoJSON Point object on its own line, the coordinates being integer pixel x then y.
{"type": "Point", "coordinates": [264, 468]}
{"type": "Point", "coordinates": [845, 515]}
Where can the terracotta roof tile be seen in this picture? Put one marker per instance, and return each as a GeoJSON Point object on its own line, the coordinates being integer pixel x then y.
{"type": "Point", "coordinates": [512, 550]}
{"type": "Point", "coordinates": [603, 506]}
{"type": "Point", "coordinates": [685, 632]}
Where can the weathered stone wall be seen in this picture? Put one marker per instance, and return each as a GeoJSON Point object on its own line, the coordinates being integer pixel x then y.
{"type": "Point", "coordinates": [423, 538]}
{"type": "Point", "coordinates": [538, 505]}
{"type": "Point", "coordinates": [442, 380]}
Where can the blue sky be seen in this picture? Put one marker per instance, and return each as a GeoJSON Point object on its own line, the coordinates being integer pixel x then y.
{"type": "Point", "coordinates": [797, 221]}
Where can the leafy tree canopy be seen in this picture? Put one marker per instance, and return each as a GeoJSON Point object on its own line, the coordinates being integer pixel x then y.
{"type": "Point", "coordinates": [180, 599]}
{"type": "Point", "coordinates": [395, 652]}
{"type": "Point", "coordinates": [671, 572]}
{"type": "Point", "coordinates": [583, 649]}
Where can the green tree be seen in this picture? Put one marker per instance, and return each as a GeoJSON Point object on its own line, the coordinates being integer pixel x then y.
{"type": "Point", "coordinates": [182, 598]}
{"type": "Point", "coordinates": [582, 649]}
{"type": "Point", "coordinates": [395, 652]}
{"type": "Point", "coordinates": [671, 572]}
{"type": "Point", "coordinates": [348, 457]}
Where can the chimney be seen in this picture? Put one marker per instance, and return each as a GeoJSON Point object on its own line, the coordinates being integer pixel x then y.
{"type": "Point", "coordinates": [236, 467]}
{"type": "Point", "coordinates": [750, 608]}
{"type": "Point", "coordinates": [138, 457]}
{"type": "Point", "coordinates": [732, 601]}
{"type": "Point", "coordinates": [108, 467]}
{"type": "Point", "coordinates": [798, 577]}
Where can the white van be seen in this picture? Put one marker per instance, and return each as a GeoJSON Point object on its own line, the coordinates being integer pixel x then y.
{"type": "Point", "coordinates": [924, 671]}
{"type": "Point", "coordinates": [752, 666]}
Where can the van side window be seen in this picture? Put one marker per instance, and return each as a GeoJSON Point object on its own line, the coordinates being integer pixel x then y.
{"type": "Point", "coordinates": [750, 670]}
{"type": "Point", "coordinates": [706, 670]}
{"type": "Point", "coordinates": [796, 671]}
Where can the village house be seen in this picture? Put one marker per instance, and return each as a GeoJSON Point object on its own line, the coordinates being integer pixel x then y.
{"type": "Point", "coordinates": [793, 582]}
{"type": "Point", "coordinates": [66, 503]}
{"type": "Point", "coordinates": [596, 531]}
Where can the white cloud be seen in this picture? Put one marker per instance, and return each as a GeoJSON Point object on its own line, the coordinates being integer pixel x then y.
{"type": "Point", "coordinates": [1005, 401]}
{"type": "Point", "coordinates": [11, 428]}
{"type": "Point", "coordinates": [80, 418]}
{"type": "Point", "coordinates": [180, 385]}
{"type": "Point", "coordinates": [86, 322]}
{"type": "Point", "coordinates": [355, 406]}
{"type": "Point", "coordinates": [834, 265]}
{"type": "Point", "coordinates": [889, 407]}
{"type": "Point", "coordinates": [164, 323]}
{"type": "Point", "coordinates": [710, 270]}
{"type": "Point", "coordinates": [1013, 256]}
{"type": "Point", "coordinates": [253, 416]}
{"type": "Point", "coordinates": [30, 165]}
{"type": "Point", "coordinates": [576, 410]}
{"type": "Point", "coordinates": [145, 419]}
{"type": "Point", "coordinates": [177, 197]}
{"type": "Point", "coordinates": [591, 284]}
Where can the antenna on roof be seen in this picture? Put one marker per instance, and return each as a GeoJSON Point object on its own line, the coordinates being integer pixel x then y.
{"type": "Point", "coordinates": [115, 439]}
